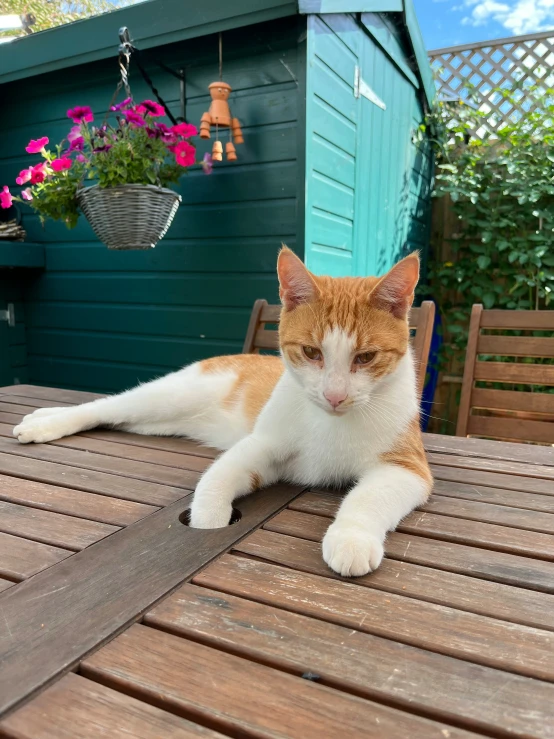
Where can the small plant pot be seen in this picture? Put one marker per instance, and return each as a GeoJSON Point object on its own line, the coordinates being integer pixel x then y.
{"type": "Point", "coordinates": [129, 216]}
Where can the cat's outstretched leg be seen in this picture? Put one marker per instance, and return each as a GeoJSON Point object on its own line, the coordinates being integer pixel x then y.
{"type": "Point", "coordinates": [182, 403]}
{"type": "Point", "coordinates": [248, 465]}
{"type": "Point", "coordinates": [354, 543]}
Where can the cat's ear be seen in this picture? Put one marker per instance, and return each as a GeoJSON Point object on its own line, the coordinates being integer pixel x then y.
{"type": "Point", "coordinates": [296, 284]}
{"type": "Point", "coordinates": [395, 291]}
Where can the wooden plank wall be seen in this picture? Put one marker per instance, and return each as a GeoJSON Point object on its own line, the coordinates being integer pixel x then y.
{"type": "Point", "coordinates": [102, 320]}
{"type": "Point", "coordinates": [13, 348]}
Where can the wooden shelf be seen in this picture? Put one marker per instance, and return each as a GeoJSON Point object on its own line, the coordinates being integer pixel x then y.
{"type": "Point", "coordinates": [21, 254]}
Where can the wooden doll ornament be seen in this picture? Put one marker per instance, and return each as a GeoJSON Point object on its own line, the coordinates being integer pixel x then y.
{"type": "Point", "coordinates": [219, 115]}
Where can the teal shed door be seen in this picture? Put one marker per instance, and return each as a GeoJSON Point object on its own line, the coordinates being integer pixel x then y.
{"type": "Point", "coordinates": [367, 180]}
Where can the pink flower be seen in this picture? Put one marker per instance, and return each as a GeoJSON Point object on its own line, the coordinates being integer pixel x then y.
{"type": "Point", "coordinates": [122, 104]}
{"type": "Point", "coordinates": [27, 194]}
{"type": "Point", "coordinates": [133, 118]}
{"type": "Point", "coordinates": [207, 163]}
{"type": "Point", "coordinates": [81, 158]}
{"type": "Point", "coordinates": [149, 107]}
{"type": "Point", "coordinates": [185, 153]}
{"type": "Point", "coordinates": [24, 176]}
{"type": "Point", "coordinates": [6, 198]}
{"type": "Point", "coordinates": [186, 130]}
{"type": "Point", "coordinates": [38, 174]}
{"type": "Point", "coordinates": [76, 141]}
{"type": "Point", "coordinates": [60, 165]}
{"type": "Point", "coordinates": [80, 114]}
{"type": "Point", "coordinates": [35, 147]}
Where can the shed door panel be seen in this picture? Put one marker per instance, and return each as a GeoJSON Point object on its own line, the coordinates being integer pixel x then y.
{"type": "Point", "coordinates": [332, 120]}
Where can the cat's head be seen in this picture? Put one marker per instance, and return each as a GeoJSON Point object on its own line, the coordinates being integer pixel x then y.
{"type": "Point", "coordinates": [340, 337]}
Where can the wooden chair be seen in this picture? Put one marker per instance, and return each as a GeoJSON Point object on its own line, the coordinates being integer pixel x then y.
{"type": "Point", "coordinates": [421, 321]}
{"type": "Point", "coordinates": [508, 413]}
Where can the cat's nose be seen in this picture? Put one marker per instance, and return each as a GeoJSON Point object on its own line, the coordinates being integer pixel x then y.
{"type": "Point", "coordinates": [335, 398]}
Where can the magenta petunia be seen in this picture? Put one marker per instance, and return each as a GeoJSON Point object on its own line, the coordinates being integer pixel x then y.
{"type": "Point", "coordinates": [36, 146]}
{"type": "Point", "coordinates": [133, 118]}
{"type": "Point", "coordinates": [185, 153]}
{"type": "Point", "coordinates": [24, 176]}
{"type": "Point", "coordinates": [81, 114]}
{"type": "Point", "coordinates": [122, 104]}
{"type": "Point", "coordinates": [207, 163]}
{"type": "Point", "coordinates": [60, 165]}
{"type": "Point", "coordinates": [186, 130]}
{"type": "Point", "coordinates": [27, 194]}
{"type": "Point", "coordinates": [149, 107]}
{"type": "Point", "coordinates": [6, 198]}
{"type": "Point", "coordinates": [81, 158]}
{"type": "Point", "coordinates": [38, 174]}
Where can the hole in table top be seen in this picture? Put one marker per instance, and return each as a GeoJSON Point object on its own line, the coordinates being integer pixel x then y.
{"type": "Point", "coordinates": [236, 516]}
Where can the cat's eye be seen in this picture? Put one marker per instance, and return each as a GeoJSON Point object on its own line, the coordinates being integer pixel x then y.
{"type": "Point", "coordinates": [365, 358]}
{"type": "Point", "coordinates": [312, 353]}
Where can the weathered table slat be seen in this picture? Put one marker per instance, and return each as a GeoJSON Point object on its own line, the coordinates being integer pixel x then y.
{"type": "Point", "coordinates": [97, 711]}
{"type": "Point", "coordinates": [72, 502]}
{"type": "Point", "coordinates": [471, 476]}
{"type": "Point", "coordinates": [90, 481]}
{"type": "Point", "coordinates": [439, 686]}
{"type": "Point", "coordinates": [51, 528]}
{"type": "Point", "coordinates": [513, 498]}
{"type": "Point", "coordinates": [490, 536]}
{"type": "Point", "coordinates": [518, 469]}
{"type": "Point", "coordinates": [243, 696]}
{"type": "Point", "coordinates": [425, 583]}
{"type": "Point", "coordinates": [21, 558]}
{"type": "Point", "coordinates": [486, 641]}
{"type": "Point", "coordinates": [145, 471]}
{"type": "Point", "coordinates": [489, 449]}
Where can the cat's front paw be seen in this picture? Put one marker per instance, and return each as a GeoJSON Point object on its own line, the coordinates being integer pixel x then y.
{"type": "Point", "coordinates": [351, 551]}
{"type": "Point", "coordinates": [41, 428]}
{"type": "Point", "coordinates": [206, 516]}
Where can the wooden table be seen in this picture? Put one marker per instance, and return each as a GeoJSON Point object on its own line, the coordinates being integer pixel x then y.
{"type": "Point", "coordinates": [118, 620]}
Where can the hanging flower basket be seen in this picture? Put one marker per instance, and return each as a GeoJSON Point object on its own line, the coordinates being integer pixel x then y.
{"type": "Point", "coordinates": [129, 216]}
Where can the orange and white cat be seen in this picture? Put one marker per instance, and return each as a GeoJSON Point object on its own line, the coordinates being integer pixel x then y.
{"type": "Point", "coordinates": [339, 408]}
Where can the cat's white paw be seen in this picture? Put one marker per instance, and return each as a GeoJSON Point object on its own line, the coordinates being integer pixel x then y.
{"type": "Point", "coordinates": [41, 429]}
{"type": "Point", "coordinates": [351, 551]}
{"type": "Point", "coordinates": [210, 516]}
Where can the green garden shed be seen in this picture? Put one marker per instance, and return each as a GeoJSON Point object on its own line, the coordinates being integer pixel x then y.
{"type": "Point", "coordinates": [330, 93]}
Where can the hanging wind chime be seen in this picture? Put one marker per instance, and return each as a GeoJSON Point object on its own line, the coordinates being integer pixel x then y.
{"type": "Point", "coordinates": [219, 116]}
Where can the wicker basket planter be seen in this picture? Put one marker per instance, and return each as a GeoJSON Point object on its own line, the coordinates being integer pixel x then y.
{"type": "Point", "coordinates": [129, 216]}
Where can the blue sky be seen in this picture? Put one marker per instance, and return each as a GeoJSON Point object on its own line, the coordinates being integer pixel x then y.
{"type": "Point", "coordinates": [450, 22]}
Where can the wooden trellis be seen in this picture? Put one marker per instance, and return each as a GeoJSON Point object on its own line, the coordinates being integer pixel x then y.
{"type": "Point", "coordinates": [514, 64]}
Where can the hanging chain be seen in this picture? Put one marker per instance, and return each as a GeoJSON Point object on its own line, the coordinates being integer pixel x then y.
{"type": "Point", "coordinates": [125, 49]}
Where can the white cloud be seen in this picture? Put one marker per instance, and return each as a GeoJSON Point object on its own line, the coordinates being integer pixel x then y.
{"type": "Point", "coordinates": [517, 16]}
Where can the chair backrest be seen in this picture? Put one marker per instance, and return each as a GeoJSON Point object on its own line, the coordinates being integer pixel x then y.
{"type": "Point", "coordinates": [421, 321]}
{"type": "Point", "coordinates": [508, 399]}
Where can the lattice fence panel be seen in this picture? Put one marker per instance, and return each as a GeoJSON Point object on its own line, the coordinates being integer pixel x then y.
{"type": "Point", "coordinates": [513, 64]}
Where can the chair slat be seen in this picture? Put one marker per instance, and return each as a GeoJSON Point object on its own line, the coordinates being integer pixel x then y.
{"type": "Point", "coordinates": [511, 429]}
{"type": "Point", "coordinates": [270, 314]}
{"type": "Point", "coordinates": [265, 339]}
{"type": "Point", "coordinates": [516, 346]}
{"type": "Point", "coordinates": [535, 320]}
{"type": "Point", "coordinates": [527, 374]}
{"type": "Point", "coordinates": [512, 400]}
